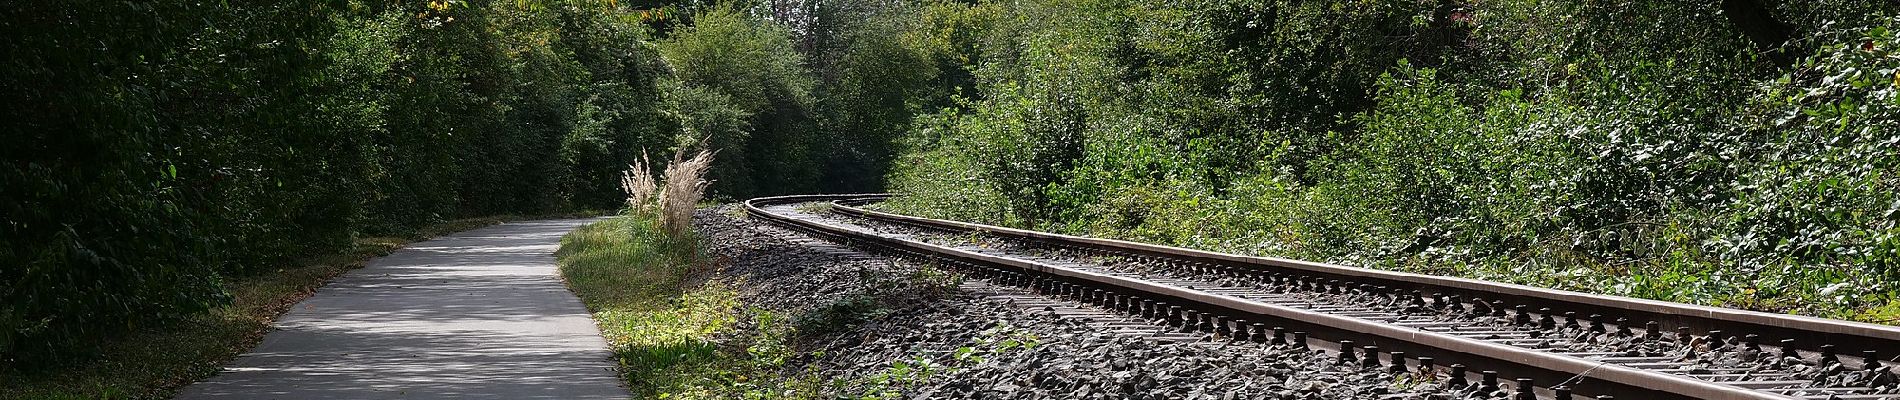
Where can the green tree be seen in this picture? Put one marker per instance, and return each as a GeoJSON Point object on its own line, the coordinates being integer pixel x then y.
{"type": "Point", "coordinates": [731, 66]}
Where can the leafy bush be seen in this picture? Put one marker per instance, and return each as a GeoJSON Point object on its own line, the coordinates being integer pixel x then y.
{"type": "Point", "coordinates": [186, 143]}
{"type": "Point", "coordinates": [1640, 148]}
{"type": "Point", "coordinates": [1823, 192]}
{"type": "Point", "coordinates": [742, 90]}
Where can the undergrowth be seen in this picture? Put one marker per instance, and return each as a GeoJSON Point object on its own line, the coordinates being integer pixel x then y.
{"type": "Point", "coordinates": [1643, 149]}
{"type": "Point", "coordinates": [663, 320]}
{"type": "Point", "coordinates": [680, 331]}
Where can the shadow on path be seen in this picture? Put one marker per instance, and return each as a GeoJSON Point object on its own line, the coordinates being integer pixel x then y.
{"type": "Point", "coordinates": [476, 315]}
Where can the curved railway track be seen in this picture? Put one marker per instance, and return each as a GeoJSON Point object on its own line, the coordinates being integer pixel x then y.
{"type": "Point", "coordinates": [1545, 343]}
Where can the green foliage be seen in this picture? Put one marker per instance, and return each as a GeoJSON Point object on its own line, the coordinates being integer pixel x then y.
{"type": "Point", "coordinates": [1824, 192]}
{"type": "Point", "coordinates": [676, 337]}
{"type": "Point", "coordinates": [1639, 148]}
{"type": "Point", "coordinates": [938, 172]}
{"type": "Point", "coordinates": [632, 276]}
{"type": "Point", "coordinates": [1631, 147]}
{"type": "Point", "coordinates": [742, 91]}
{"type": "Point", "coordinates": [156, 362]}
{"type": "Point", "coordinates": [162, 149]}
{"type": "Point", "coordinates": [877, 81]}
{"type": "Point", "coordinates": [907, 375]}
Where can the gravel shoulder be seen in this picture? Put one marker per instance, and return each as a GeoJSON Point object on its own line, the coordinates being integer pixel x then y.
{"type": "Point", "coordinates": [914, 331]}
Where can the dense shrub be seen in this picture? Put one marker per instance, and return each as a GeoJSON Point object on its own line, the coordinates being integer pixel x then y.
{"type": "Point", "coordinates": [1644, 148]}
{"type": "Point", "coordinates": [156, 149]}
{"type": "Point", "coordinates": [138, 163]}
{"type": "Point", "coordinates": [1823, 191]}
{"type": "Point", "coordinates": [873, 81]}
{"type": "Point", "coordinates": [1649, 148]}
{"type": "Point", "coordinates": [742, 90]}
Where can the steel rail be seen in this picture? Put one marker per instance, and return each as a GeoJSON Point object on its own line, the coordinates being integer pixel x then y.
{"type": "Point", "coordinates": [1810, 333]}
{"type": "Point", "coordinates": [1600, 377]}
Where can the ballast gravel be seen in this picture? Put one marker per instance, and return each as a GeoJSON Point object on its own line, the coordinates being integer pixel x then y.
{"type": "Point", "coordinates": [933, 337]}
{"type": "Point", "coordinates": [1692, 354]}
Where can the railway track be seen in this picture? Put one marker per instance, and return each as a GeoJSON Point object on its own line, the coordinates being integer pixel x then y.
{"type": "Point", "coordinates": [1517, 341]}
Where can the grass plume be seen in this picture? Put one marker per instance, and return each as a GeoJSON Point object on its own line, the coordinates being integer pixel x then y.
{"type": "Point", "coordinates": [638, 182]}
{"type": "Point", "coordinates": [685, 186]}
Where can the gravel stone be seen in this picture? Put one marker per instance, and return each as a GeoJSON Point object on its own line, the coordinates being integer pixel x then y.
{"type": "Point", "coordinates": [985, 342]}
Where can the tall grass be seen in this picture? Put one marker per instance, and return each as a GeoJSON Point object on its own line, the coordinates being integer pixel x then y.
{"type": "Point", "coordinates": [638, 182]}
{"type": "Point", "coordinates": [633, 278]}
{"type": "Point", "coordinates": [685, 186]}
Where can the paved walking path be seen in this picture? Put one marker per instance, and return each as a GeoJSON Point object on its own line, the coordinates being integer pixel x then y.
{"type": "Point", "coordinates": [480, 314]}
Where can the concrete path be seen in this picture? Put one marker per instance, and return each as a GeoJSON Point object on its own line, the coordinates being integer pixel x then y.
{"type": "Point", "coordinates": [480, 314]}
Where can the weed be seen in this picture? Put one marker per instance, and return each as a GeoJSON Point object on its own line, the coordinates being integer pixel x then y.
{"type": "Point", "coordinates": [674, 339]}
{"type": "Point", "coordinates": [814, 208]}
{"type": "Point", "coordinates": [904, 375]}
